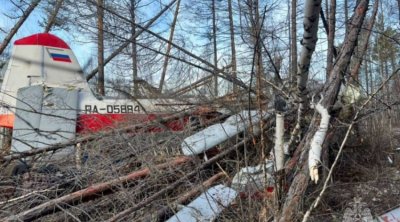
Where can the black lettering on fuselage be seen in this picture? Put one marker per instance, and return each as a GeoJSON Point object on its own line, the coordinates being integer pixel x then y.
{"type": "Point", "coordinates": [95, 109]}
{"type": "Point", "coordinates": [137, 108]}
{"type": "Point", "coordinates": [113, 109]}
{"type": "Point", "coordinates": [88, 109]}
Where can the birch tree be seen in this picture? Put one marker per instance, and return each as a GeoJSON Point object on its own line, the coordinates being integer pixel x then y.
{"type": "Point", "coordinates": [316, 135]}
{"type": "Point", "coordinates": [311, 19]}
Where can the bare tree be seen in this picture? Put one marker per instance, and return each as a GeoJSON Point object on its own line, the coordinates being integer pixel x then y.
{"type": "Point", "coordinates": [215, 50]}
{"type": "Point", "coordinates": [132, 11]}
{"type": "Point", "coordinates": [169, 46]}
{"type": "Point", "coordinates": [331, 36]}
{"type": "Point", "coordinates": [100, 46]}
{"type": "Point", "coordinates": [398, 6]}
{"type": "Point", "coordinates": [53, 16]}
{"type": "Point", "coordinates": [346, 13]}
{"type": "Point", "coordinates": [255, 33]}
{"type": "Point", "coordinates": [330, 92]}
{"type": "Point", "coordinates": [129, 41]}
{"type": "Point", "coordinates": [21, 21]}
{"type": "Point", "coordinates": [359, 59]}
{"type": "Point", "coordinates": [311, 18]}
{"type": "Point", "coordinates": [233, 48]}
{"type": "Point", "coordinates": [293, 43]}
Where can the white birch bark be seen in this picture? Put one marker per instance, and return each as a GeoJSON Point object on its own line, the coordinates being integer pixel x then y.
{"type": "Point", "coordinates": [278, 148]}
{"type": "Point", "coordinates": [309, 41]}
{"type": "Point", "coordinates": [125, 44]}
{"type": "Point", "coordinates": [293, 200]}
{"type": "Point", "coordinates": [314, 156]}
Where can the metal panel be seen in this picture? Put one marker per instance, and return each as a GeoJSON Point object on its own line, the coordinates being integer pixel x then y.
{"type": "Point", "coordinates": [391, 216]}
{"type": "Point", "coordinates": [27, 118]}
{"type": "Point", "coordinates": [207, 206]}
{"type": "Point", "coordinates": [44, 116]}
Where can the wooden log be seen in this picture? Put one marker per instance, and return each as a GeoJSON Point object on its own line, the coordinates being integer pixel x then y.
{"type": "Point", "coordinates": [68, 199]}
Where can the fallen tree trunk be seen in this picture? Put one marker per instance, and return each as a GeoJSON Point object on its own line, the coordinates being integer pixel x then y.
{"type": "Point", "coordinates": [290, 210]}
{"type": "Point", "coordinates": [42, 209]}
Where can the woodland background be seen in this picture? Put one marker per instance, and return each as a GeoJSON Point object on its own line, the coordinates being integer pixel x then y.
{"type": "Point", "coordinates": [248, 53]}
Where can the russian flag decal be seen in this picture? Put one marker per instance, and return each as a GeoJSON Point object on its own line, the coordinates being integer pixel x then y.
{"type": "Point", "coordinates": [60, 57]}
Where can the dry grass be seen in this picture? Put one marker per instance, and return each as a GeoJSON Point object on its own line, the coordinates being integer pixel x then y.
{"type": "Point", "coordinates": [364, 171]}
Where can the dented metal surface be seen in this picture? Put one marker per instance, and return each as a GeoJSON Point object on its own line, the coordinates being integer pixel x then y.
{"type": "Point", "coordinates": [207, 206]}
{"type": "Point", "coordinates": [44, 116]}
{"type": "Point", "coordinates": [220, 132]}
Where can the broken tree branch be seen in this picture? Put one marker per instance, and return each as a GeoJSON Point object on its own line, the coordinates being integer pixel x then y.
{"type": "Point", "coordinates": [92, 190]}
{"type": "Point", "coordinates": [21, 21]}
{"type": "Point", "coordinates": [172, 186]}
{"type": "Point", "coordinates": [299, 184]}
{"type": "Point", "coordinates": [185, 197]}
{"type": "Point", "coordinates": [314, 156]}
{"type": "Point", "coordinates": [355, 118]}
{"type": "Point", "coordinates": [24, 196]}
{"type": "Point", "coordinates": [168, 51]}
{"type": "Point", "coordinates": [53, 16]}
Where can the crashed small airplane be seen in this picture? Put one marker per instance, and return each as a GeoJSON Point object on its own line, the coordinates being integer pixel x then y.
{"type": "Point", "coordinates": [45, 98]}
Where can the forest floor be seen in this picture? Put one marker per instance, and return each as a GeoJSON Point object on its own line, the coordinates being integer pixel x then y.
{"type": "Point", "coordinates": [368, 173]}
{"type": "Point", "coordinates": [367, 176]}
